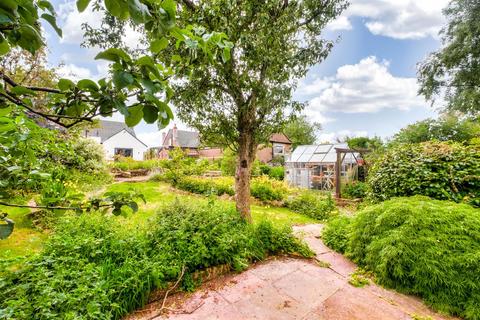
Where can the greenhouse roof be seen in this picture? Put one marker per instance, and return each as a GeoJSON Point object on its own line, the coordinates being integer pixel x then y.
{"type": "Point", "coordinates": [323, 153]}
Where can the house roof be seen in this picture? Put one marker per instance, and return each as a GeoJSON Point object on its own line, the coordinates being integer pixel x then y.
{"type": "Point", "coordinates": [184, 139]}
{"type": "Point", "coordinates": [280, 137]}
{"type": "Point", "coordinates": [108, 129]}
{"type": "Point", "coordinates": [323, 153]}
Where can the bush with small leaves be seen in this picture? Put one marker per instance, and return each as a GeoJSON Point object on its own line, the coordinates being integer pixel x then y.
{"type": "Point", "coordinates": [419, 246]}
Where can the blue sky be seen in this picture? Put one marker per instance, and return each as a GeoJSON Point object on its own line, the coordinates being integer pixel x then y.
{"type": "Point", "coordinates": [367, 86]}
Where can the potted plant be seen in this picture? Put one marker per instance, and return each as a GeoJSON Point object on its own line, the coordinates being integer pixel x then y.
{"type": "Point", "coordinates": [6, 226]}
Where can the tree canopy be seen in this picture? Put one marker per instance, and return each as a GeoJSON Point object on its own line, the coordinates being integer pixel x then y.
{"type": "Point", "coordinates": [241, 100]}
{"type": "Point", "coordinates": [453, 71]}
{"type": "Point", "coordinates": [301, 132]}
{"type": "Point", "coordinates": [449, 127]}
{"type": "Point", "coordinates": [137, 87]}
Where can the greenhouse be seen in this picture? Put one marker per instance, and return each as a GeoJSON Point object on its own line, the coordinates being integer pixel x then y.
{"type": "Point", "coordinates": [313, 166]}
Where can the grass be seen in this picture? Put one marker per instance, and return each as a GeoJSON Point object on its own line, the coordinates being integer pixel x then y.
{"type": "Point", "coordinates": [23, 242]}
{"type": "Point", "coordinates": [159, 193]}
{"type": "Point", "coordinates": [26, 240]}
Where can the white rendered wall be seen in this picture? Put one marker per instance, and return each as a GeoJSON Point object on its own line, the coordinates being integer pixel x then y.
{"type": "Point", "coordinates": [123, 139]}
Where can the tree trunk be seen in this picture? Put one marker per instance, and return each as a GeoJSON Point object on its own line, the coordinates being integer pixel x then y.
{"type": "Point", "coordinates": [246, 156]}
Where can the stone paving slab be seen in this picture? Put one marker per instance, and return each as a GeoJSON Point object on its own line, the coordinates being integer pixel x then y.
{"type": "Point", "coordinates": [290, 289]}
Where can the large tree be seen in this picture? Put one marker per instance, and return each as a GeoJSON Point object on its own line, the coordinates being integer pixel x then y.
{"type": "Point", "coordinates": [449, 127]}
{"type": "Point", "coordinates": [453, 72]}
{"type": "Point", "coordinates": [300, 131]}
{"type": "Point", "coordinates": [240, 101]}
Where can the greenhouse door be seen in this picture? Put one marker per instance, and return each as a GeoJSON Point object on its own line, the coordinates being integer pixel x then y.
{"type": "Point", "coordinates": [304, 178]}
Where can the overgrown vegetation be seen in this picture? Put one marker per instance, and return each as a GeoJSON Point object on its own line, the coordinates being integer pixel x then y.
{"type": "Point", "coordinates": [419, 246]}
{"type": "Point", "coordinates": [32, 158]}
{"type": "Point", "coordinates": [311, 204]}
{"type": "Point", "coordinates": [128, 164]}
{"type": "Point", "coordinates": [354, 190]}
{"type": "Point", "coordinates": [277, 173]}
{"type": "Point", "coordinates": [441, 170]}
{"type": "Point", "coordinates": [94, 267]}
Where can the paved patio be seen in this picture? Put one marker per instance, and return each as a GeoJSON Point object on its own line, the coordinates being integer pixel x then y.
{"type": "Point", "coordinates": [288, 288]}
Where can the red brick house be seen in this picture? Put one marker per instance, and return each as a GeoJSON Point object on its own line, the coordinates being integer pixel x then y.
{"type": "Point", "coordinates": [189, 141]}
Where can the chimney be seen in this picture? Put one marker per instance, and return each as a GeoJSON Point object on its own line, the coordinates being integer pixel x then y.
{"type": "Point", "coordinates": [174, 135]}
{"type": "Point", "coordinates": [163, 138]}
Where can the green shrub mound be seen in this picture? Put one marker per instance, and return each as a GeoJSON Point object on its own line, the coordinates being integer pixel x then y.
{"type": "Point", "coordinates": [95, 267]}
{"type": "Point", "coordinates": [277, 173]}
{"type": "Point", "coordinates": [440, 170]}
{"type": "Point", "coordinates": [266, 189]}
{"type": "Point", "coordinates": [312, 204]}
{"type": "Point", "coordinates": [207, 186]}
{"type": "Point", "coordinates": [336, 233]}
{"type": "Point", "coordinates": [420, 246]}
{"type": "Point", "coordinates": [262, 188]}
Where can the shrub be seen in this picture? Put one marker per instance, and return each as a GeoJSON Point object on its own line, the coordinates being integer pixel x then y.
{"type": "Point", "coordinates": [207, 186]}
{"type": "Point", "coordinates": [440, 170]}
{"type": "Point", "coordinates": [266, 189]}
{"type": "Point", "coordinates": [419, 246]}
{"type": "Point", "coordinates": [354, 190]}
{"type": "Point", "coordinates": [335, 234]}
{"type": "Point", "coordinates": [277, 173]}
{"type": "Point", "coordinates": [262, 188]}
{"type": "Point", "coordinates": [94, 267]}
{"type": "Point", "coordinates": [312, 204]}
{"type": "Point", "coordinates": [128, 164]}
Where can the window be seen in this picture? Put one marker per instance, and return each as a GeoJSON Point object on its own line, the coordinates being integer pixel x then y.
{"type": "Point", "coordinates": [124, 152]}
{"type": "Point", "coordinates": [278, 149]}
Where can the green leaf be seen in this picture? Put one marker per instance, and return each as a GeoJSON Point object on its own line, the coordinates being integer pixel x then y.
{"type": "Point", "coordinates": [53, 22]}
{"type": "Point", "coordinates": [9, 5]}
{"type": "Point", "coordinates": [135, 115]}
{"type": "Point", "coordinates": [44, 4]}
{"type": "Point", "coordinates": [226, 55]}
{"type": "Point", "coordinates": [20, 90]}
{"type": "Point", "coordinates": [65, 84]}
{"type": "Point", "coordinates": [133, 205]}
{"type": "Point", "coordinates": [87, 84]}
{"type": "Point", "coordinates": [82, 5]}
{"type": "Point", "coordinates": [170, 7]}
{"type": "Point", "coordinates": [159, 45]}
{"type": "Point", "coordinates": [150, 113]}
{"type": "Point", "coordinates": [30, 38]}
{"type": "Point", "coordinates": [5, 111]}
{"type": "Point", "coordinates": [138, 11]}
{"type": "Point", "coordinates": [113, 54]}
{"type": "Point", "coordinates": [4, 48]}
{"type": "Point", "coordinates": [122, 79]}
{"type": "Point", "coordinates": [146, 61]}
{"type": "Point", "coordinates": [117, 8]}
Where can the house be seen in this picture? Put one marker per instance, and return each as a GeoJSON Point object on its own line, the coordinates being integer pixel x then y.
{"type": "Point", "coordinates": [117, 139]}
{"type": "Point", "coordinates": [313, 166]}
{"type": "Point", "coordinates": [279, 147]}
{"type": "Point", "coordinates": [189, 141]}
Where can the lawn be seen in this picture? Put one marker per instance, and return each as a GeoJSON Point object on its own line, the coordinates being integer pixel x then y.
{"type": "Point", "coordinates": [158, 194]}
{"type": "Point", "coordinates": [26, 240]}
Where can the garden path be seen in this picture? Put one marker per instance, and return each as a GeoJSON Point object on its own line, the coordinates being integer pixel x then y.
{"type": "Point", "coordinates": [289, 288]}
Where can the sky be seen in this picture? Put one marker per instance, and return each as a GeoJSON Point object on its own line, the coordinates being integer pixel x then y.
{"type": "Point", "coordinates": [366, 87]}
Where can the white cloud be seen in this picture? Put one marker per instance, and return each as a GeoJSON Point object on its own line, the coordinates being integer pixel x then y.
{"type": "Point", "coordinates": [74, 72]}
{"type": "Point", "coordinates": [365, 87]}
{"type": "Point", "coordinates": [71, 21]}
{"type": "Point", "coordinates": [151, 139]}
{"type": "Point", "coordinates": [334, 137]}
{"type": "Point", "coordinates": [405, 19]}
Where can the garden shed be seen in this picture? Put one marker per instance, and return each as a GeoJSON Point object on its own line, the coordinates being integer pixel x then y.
{"type": "Point", "coordinates": [313, 166]}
